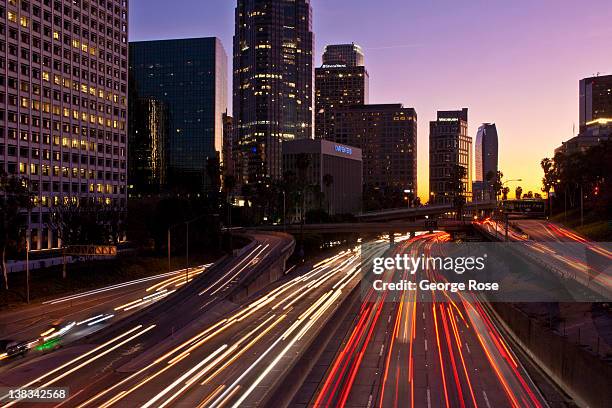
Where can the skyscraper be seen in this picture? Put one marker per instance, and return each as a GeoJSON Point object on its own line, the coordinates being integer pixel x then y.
{"type": "Point", "coordinates": [273, 60]}
{"type": "Point", "coordinates": [595, 100]}
{"type": "Point", "coordinates": [63, 104]}
{"type": "Point", "coordinates": [387, 136]}
{"type": "Point", "coordinates": [449, 147]}
{"type": "Point", "coordinates": [350, 55]}
{"type": "Point", "coordinates": [486, 161]}
{"type": "Point", "coordinates": [148, 142]}
{"type": "Point", "coordinates": [341, 81]}
{"type": "Point", "coordinates": [190, 77]}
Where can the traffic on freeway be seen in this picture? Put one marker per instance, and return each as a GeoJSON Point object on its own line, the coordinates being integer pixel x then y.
{"type": "Point", "coordinates": [403, 351]}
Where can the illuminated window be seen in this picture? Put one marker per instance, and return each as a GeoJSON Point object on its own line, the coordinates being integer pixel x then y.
{"type": "Point", "coordinates": [12, 17]}
{"type": "Point", "coordinates": [24, 21]}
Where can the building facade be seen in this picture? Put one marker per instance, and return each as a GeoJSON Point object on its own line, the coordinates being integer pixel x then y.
{"type": "Point", "coordinates": [449, 147]}
{"type": "Point", "coordinates": [595, 100]}
{"type": "Point", "coordinates": [341, 81]}
{"type": "Point", "coordinates": [190, 77]}
{"type": "Point", "coordinates": [387, 135]}
{"type": "Point", "coordinates": [273, 62]}
{"type": "Point", "coordinates": [486, 161]}
{"type": "Point", "coordinates": [148, 143]}
{"type": "Point", "coordinates": [335, 169]}
{"type": "Point", "coordinates": [63, 104]}
{"type": "Point", "coordinates": [592, 135]}
{"type": "Point", "coordinates": [227, 156]}
{"type": "Point", "coordinates": [349, 55]}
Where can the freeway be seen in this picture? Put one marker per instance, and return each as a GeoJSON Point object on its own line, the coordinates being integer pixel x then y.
{"type": "Point", "coordinates": [563, 251]}
{"type": "Point", "coordinates": [219, 279]}
{"type": "Point", "coordinates": [49, 324]}
{"type": "Point", "coordinates": [404, 351]}
{"type": "Point", "coordinates": [222, 353]}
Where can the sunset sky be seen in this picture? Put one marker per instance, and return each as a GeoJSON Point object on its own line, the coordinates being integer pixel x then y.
{"type": "Point", "coordinates": [516, 63]}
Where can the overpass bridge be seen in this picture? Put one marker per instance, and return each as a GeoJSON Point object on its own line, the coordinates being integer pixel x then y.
{"type": "Point", "coordinates": [426, 210]}
{"type": "Point", "coordinates": [374, 227]}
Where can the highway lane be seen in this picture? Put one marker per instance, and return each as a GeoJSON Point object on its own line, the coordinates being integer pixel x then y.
{"type": "Point", "coordinates": [65, 319]}
{"type": "Point", "coordinates": [233, 361]}
{"type": "Point", "coordinates": [183, 308]}
{"type": "Point", "coordinates": [405, 351]}
{"type": "Point", "coordinates": [562, 250]}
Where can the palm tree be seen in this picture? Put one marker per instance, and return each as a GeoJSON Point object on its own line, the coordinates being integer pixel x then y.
{"type": "Point", "coordinates": [505, 192]}
{"type": "Point", "coordinates": [518, 192]}
{"type": "Point", "coordinates": [302, 163]}
{"type": "Point", "coordinates": [229, 183]}
{"type": "Point", "coordinates": [328, 180]}
{"type": "Point", "coordinates": [458, 174]}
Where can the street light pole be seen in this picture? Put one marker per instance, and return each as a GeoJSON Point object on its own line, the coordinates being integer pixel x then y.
{"type": "Point", "coordinates": [187, 255]}
{"type": "Point", "coordinates": [581, 206]}
{"type": "Point", "coordinates": [284, 211]}
{"type": "Point", "coordinates": [506, 214]}
{"type": "Point", "coordinates": [28, 266]}
{"type": "Point", "coordinates": [169, 250]}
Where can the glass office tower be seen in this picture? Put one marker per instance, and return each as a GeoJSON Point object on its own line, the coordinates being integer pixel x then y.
{"type": "Point", "coordinates": [190, 77]}
{"type": "Point", "coordinates": [273, 61]}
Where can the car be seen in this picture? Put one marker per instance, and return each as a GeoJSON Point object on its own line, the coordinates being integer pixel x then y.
{"type": "Point", "coordinates": [11, 348]}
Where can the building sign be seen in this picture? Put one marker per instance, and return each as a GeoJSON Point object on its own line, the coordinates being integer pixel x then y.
{"type": "Point", "coordinates": [344, 149]}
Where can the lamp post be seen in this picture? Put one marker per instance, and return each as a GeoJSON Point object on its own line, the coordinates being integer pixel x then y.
{"type": "Point", "coordinates": [505, 213]}
{"type": "Point", "coordinates": [511, 181]}
{"type": "Point", "coordinates": [186, 242]}
{"type": "Point", "coordinates": [409, 199]}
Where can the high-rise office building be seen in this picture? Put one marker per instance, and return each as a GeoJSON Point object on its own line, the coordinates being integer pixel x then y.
{"type": "Point", "coordinates": [350, 55]}
{"type": "Point", "coordinates": [387, 136]}
{"type": "Point", "coordinates": [227, 156]}
{"type": "Point", "coordinates": [486, 161]}
{"type": "Point", "coordinates": [449, 147]}
{"type": "Point", "coordinates": [190, 77]}
{"type": "Point", "coordinates": [148, 143]}
{"type": "Point", "coordinates": [63, 104]}
{"type": "Point", "coordinates": [341, 81]}
{"type": "Point", "coordinates": [273, 61]}
{"type": "Point", "coordinates": [595, 100]}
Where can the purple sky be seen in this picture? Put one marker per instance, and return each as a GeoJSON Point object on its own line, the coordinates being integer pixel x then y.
{"type": "Point", "coordinates": [516, 63]}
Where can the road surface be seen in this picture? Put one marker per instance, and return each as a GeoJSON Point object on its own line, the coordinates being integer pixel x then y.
{"type": "Point", "coordinates": [404, 351]}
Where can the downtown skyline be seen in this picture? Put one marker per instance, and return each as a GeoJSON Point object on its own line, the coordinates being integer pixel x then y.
{"type": "Point", "coordinates": [182, 225]}
{"type": "Point", "coordinates": [437, 58]}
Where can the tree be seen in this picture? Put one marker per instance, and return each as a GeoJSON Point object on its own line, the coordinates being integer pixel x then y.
{"type": "Point", "coordinates": [213, 171]}
{"type": "Point", "coordinates": [529, 194]}
{"type": "Point", "coordinates": [494, 181]}
{"type": "Point", "coordinates": [15, 199]}
{"type": "Point", "coordinates": [518, 192]}
{"type": "Point", "coordinates": [457, 188]}
{"type": "Point", "coordinates": [550, 176]}
{"type": "Point", "coordinates": [302, 163]}
{"type": "Point", "coordinates": [505, 192]}
{"type": "Point", "coordinates": [229, 184]}
{"type": "Point", "coordinates": [86, 222]}
{"type": "Point", "coordinates": [328, 181]}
